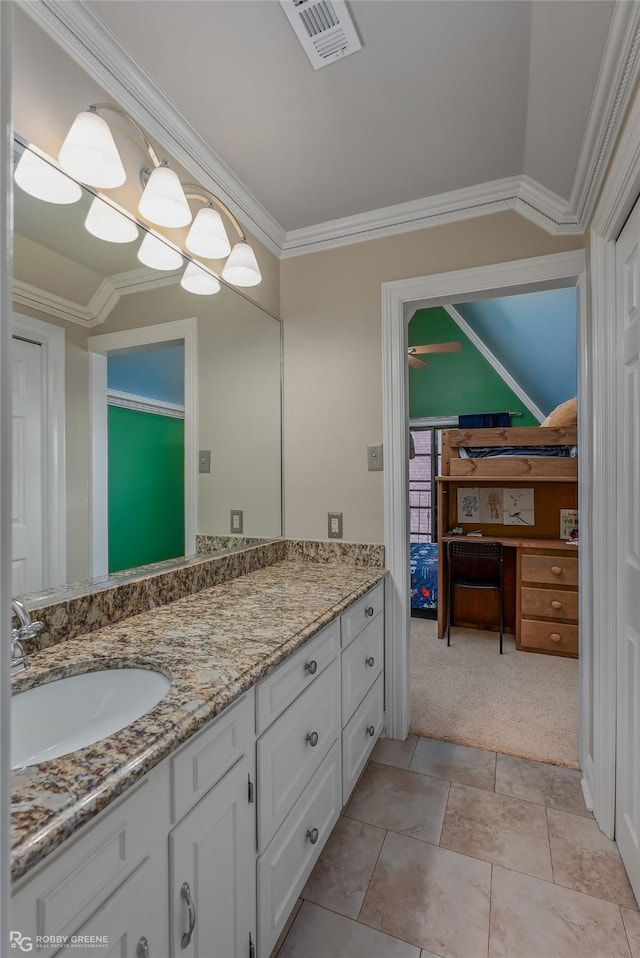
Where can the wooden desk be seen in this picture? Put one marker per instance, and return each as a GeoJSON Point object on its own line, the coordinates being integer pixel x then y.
{"type": "Point", "coordinates": [540, 594]}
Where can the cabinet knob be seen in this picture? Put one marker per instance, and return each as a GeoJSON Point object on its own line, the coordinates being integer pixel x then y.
{"type": "Point", "coordinates": [555, 604]}
{"type": "Point", "coordinates": [142, 948]}
{"type": "Point", "coordinates": [312, 835]}
{"type": "Point", "coordinates": [556, 570]}
{"type": "Point", "coordinates": [370, 661]}
{"type": "Point", "coordinates": [185, 894]}
{"type": "Point", "coordinates": [312, 739]}
{"type": "Point", "coordinates": [555, 637]}
{"type": "Point", "coordinates": [371, 730]}
{"type": "Point", "coordinates": [368, 611]}
{"type": "Point", "coordinates": [311, 667]}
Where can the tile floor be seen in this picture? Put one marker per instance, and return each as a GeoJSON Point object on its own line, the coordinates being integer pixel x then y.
{"type": "Point", "coordinates": [457, 852]}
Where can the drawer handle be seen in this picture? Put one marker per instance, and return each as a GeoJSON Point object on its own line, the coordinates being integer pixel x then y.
{"type": "Point", "coordinates": [370, 661]}
{"type": "Point", "coordinates": [368, 611]}
{"type": "Point", "coordinates": [312, 835]}
{"type": "Point", "coordinates": [556, 570]}
{"type": "Point", "coordinates": [555, 604]}
{"type": "Point", "coordinates": [312, 739]}
{"type": "Point", "coordinates": [311, 667]}
{"type": "Point", "coordinates": [142, 948]}
{"type": "Point", "coordinates": [185, 894]}
{"type": "Point", "coordinates": [555, 637]}
{"type": "Point", "coordinates": [371, 730]}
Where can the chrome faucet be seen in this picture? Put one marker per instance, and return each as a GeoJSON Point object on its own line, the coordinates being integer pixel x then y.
{"type": "Point", "coordinates": [27, 629]}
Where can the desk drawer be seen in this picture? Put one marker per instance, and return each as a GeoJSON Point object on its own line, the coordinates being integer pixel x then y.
{"type": "Point", "coordinates": [361, 665]}
{"type": "Point", "coordinates": [549, 637]}
{"type": "Point", "coordinates": [558, 569]}
{"type": "Point", "coordinates": [550, 603]}
{"type": "Point", "coordinates": [361, 613]}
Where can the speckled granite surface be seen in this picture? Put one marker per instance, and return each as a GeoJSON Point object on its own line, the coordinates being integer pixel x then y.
{"type": "Point", "coordinates": [214, 645]}
{"type": "Point", "coordinates": [212, 545]}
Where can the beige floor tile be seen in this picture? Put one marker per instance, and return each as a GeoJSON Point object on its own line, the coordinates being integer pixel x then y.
{"type": "Point", "coordinates": [318, 933]}
{"type": "Point", "coordinates": [431, 897]}
{"type": "Point", "coordinates": [498, 829]}
{"type": "Point", "coordinates": [586, 860]}
{"type": "Point", "coordinates": [631, 921]}
{"type": "Point", "coordinates": [285, 931]}
{"type": "Point", "coordinates": [456, 763]}
{"type": "Point", "coordinates": [341, 876]}
{"type": "Point", "coordinates": [536, 782]}
{"type": "Point", "coordinates": [391, 751]}
{"type": "Point", "coordinates": [536, 919]}
{"type": "Point", "coordinates": [402, 801]}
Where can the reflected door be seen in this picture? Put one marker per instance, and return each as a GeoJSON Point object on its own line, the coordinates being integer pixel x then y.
{"type": "Point", "coordinates": [27, 528]}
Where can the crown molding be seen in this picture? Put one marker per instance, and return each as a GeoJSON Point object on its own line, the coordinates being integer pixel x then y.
{"type": "Point", "coordinates": [137, 403]}
{"type": "Point", "coordinates": [85, 38]}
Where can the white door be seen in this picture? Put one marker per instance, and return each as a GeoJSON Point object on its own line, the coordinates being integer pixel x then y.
{"type": "Point", "coordinates": [27, 527]}
{"type": "Point", "coordinates": [628, 499]}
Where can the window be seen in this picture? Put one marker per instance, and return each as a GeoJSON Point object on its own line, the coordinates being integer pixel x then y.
{"type": "Point", "coordinates": [423, 470]}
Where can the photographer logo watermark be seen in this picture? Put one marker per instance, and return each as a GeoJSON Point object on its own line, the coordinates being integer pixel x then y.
{"type": "Point", "coordinates": [19, 942]}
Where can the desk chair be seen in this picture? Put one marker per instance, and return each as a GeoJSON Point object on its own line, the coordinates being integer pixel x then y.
{"type": "Point", "coordinates": [464, 560]}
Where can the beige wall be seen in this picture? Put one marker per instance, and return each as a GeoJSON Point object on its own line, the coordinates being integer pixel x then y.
{"type": "Point", "coordinates": [331, 307]}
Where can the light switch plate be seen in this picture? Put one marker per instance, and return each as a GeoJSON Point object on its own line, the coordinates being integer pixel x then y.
{"type": "Point", "coordinates": [335, 525]}
{"type": "Point", "coordinates": [236, 520]}
{"type": "Point", "coordinates": [204, 460]}
{"type": "Point", "coordinates": [374, 458]}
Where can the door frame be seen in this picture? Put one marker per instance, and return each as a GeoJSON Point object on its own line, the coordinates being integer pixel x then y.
{"type": "Point", "coordinates": [618, 196]}
{"type": "Point", "coordinates": [399, 299]}
{"type": "Point", "coordinates": [54, 501]}
{"type": "Point", "coordinates": [99, 347]}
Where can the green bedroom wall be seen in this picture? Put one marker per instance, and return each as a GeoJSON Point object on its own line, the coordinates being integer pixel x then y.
{"type": "Point", "coordinates": [455, 384]}
{"type": "Point", "coordinates": [146, 488]}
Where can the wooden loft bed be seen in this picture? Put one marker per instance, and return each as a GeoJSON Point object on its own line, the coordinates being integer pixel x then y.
{"type": "Point", "coordinates": [540, 569]}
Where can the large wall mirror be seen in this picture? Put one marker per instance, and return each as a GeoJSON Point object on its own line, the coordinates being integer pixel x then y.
{"type": "Point", "coordinates": [144, 415]}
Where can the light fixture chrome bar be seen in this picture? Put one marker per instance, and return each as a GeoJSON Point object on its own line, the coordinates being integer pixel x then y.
{"type": "Point", "coordinates": [116, 109]}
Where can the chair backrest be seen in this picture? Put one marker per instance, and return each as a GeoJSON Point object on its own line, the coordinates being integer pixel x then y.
{"type": "Point", "coordinates": [475, 550]}
{"type": "Point", "coordinates": [477, 560]}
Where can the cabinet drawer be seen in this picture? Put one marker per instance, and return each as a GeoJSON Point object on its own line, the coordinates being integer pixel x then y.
{"type": "Point", "coordinates": [353, 621]}
{"type": "Point", "coordinates": [561, 570]}
{"type": "Point", "coordinates": [550, 637]}
{"type": "Point", "coordinates": [361, 665]}
{"type": "Point", "coordinates": [279, 690]}
{"type": "Point", "coordinates": [360, 736]}
{"type": "Point", "coordinates": [68, 889]}
{"type": "Point", "coordinates": [287, 863]}
{"type": "Point", "coordinates": [550, 603]}
{"type": "Point", "coordinates": [286, 756]}
{"type": "Point", "coordinates": [199, 764]}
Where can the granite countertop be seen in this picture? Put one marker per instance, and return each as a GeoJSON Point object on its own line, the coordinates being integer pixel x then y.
{"type": "Point", "coordinates": [213, 645]}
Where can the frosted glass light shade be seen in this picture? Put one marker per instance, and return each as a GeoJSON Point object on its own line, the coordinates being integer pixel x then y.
{"type": "Point", "coordinates": [241, 269]}
{"type": "Point", "coordinates": [198, 280]}
{"type": "Point", "coordinates": [109, 224]}
{"type": "Point", "coordinates": [207, 236]}
{"type": "Point", "coordinates": [157, 254]}
{"type": "Point", "coordinates": [42, 180]}
{"type": "Point", "coordinates": [89, 152]}
{"type": "Point", "coordinates": [163, 201]}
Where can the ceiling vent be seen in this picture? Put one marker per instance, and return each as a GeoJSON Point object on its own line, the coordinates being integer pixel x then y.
{"type": "Point", "coordinates": [325, 29]}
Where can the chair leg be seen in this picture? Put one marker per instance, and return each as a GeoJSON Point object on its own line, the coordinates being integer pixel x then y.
{"type": "Point", "coordinates": [449, 592]}
{"type": "Point", "coordinates": [501, 617]}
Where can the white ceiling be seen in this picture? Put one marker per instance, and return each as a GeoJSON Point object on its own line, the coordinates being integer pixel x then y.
{"type": "Point", "coordinates": [444, 95]}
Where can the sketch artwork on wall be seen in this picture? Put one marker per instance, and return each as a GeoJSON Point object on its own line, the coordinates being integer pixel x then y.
{"type": "Point", "coordinates": [518, 507]}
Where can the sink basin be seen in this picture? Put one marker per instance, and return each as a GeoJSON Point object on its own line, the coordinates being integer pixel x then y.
{"type": "Point", "coordinates": [67, 714]}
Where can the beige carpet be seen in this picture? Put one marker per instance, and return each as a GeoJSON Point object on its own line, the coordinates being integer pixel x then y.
{"type": "Point", "coordinates": [519, 703]}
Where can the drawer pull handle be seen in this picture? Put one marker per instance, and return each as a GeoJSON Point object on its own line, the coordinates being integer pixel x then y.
{"type": "Point", "coordinates": [312, 739]}
{"type": "Point", "coordinates": [555, 604]}
{"type": "Point", "coordinates": [142, 948]}
{"type": "Point", "coordinates": [185, 894]}
{"type": "Point", "coordinates": [368, 611]}
{"type": "Point", "coordinates": [370, 661]}
{"type": "Point", "coordinates": [371, 730]}
{"type": "Point", "coordinates": [556, 570]}
{"type": "Point", "coordinates": [555, 637]}
{"type": "Point", "coordinates": [312, 835]}
{"type": "Point", "coordinates": [311, 667]}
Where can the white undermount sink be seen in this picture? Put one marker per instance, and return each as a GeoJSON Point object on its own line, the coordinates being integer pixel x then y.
{"type": "Point", "coordinates": [70, 713]}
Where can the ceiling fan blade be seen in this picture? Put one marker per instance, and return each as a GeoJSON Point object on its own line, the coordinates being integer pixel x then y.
{"type": "Point", "coordinates": [416, 363]}
{"type": "Point", "coordinates": [437, 348]}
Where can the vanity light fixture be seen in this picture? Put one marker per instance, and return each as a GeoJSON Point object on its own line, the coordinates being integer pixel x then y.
{"type": "Point", "coordinates": [89, 152]}
{"type": "Point", "coordinates": [163, 201]}
{"type": "Point", "coordinates": [207, 236]}
{"type": "Point", "coordinates": [158, 254]}
{"type": "Point", "coordinates": [198, 279]}
{"type": "Point", "coordinates": [241, 268]}
{"type": "Point", "coordinates": [108, 223]}
{"type": "Point", "coordinates": [40, 179]}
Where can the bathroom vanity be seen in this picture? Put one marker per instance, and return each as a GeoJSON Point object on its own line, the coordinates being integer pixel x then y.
{"type": "Point", "coordinates": [193, 831]}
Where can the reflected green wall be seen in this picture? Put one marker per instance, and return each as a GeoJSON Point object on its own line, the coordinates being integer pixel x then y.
{"type": "Point", "coordinates": [455, 384]}
{"type": "Point", "coordinates": [146, 488]}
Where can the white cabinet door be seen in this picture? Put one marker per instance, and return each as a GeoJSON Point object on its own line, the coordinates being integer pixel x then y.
{"type": "Point", "coordinates": [212, 859]}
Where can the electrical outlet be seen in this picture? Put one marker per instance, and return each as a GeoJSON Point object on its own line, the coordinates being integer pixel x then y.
{"type": "Point", "coordinates": [374, 458]}
{"type": "Point", "coordinates": [335, 525]}
{"type": "Point", "coordinates": [236, 520]}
